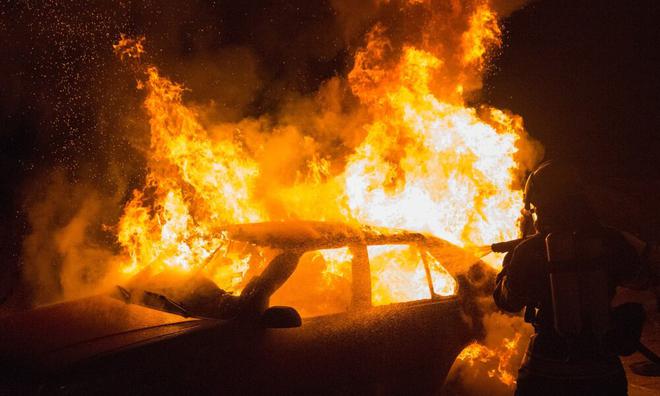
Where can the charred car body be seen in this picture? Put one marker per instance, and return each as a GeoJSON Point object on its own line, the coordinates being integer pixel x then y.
{"type": "Point", "coordinates": [355, 339]}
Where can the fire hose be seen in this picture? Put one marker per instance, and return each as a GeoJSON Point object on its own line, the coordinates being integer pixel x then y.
{"type": "Point", "coordinates": [647, 353]}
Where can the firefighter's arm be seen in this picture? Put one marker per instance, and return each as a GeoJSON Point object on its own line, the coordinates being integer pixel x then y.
{"type": "Point", "coordinates": [509, 293]}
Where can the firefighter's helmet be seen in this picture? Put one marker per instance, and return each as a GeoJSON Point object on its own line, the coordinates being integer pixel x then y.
{"type": "Point", "coordinates": [551, 182]}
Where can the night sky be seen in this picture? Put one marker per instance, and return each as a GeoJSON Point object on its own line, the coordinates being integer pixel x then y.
{"type": "Point", "coordinates": [585, 77]}
{"type": "Point", "coordinates": [583, 74]}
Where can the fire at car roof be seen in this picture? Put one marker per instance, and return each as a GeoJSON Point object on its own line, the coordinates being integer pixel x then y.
{"type": "Point", "coordinates": [316, 234]}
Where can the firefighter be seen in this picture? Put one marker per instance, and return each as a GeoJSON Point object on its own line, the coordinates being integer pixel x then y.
{"type": "Point", "coordinates": [565, 276]}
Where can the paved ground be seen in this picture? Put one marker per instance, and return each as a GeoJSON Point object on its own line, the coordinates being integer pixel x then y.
{"type": "Point", "coordinates": [641, 385]}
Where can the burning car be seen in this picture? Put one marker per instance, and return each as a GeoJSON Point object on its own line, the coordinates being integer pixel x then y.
{"type": "Point", "coordinates": [327, 309]}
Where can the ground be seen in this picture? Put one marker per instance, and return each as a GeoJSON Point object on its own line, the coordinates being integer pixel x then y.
{"type": "Point", "coordinates": [641, 385]}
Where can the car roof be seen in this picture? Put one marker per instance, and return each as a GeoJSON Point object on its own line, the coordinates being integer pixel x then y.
{"type": "Point", "coordinates": [317, 234]}
{"type": "Point", "coordinates": [312, 235]}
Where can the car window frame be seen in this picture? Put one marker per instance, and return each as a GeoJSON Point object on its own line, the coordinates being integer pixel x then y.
{"type": "Point", "coordinates": [361, 287]}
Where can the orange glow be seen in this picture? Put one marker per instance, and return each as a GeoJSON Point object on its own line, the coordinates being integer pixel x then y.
{"type": "Point", "coordinates": [483, 33]}
{"type": "Point", "coordinates": [320, 285]}
{"type": "Point", "coordinates": [499, 357]}
{"type": "Point", "coordinates": [191, 177]}
{"type": "Point", "coordinates": [338, 263]}
{"type": "Point", "coordinates": [423, 160]}
{"type": "Point", "coordinates": [128, 47]}
{"type": "Point", "coordinates": [398, 275]}
{"type": "Point", "coordinates": [431, 165]}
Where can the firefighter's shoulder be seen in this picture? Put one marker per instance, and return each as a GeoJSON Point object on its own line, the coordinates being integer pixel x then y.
{"type": "Point", "coordinates": [531, 247]}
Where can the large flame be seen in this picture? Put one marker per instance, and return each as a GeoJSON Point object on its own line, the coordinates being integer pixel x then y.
{"type": "Point", "coordinates": [432, 165]}
{"type": "Point", "coordinates": [428, 162]}
{"type": "Point", "coordinates": [196, 184]}
{"type": "Point", "coordinates": [424, 161]}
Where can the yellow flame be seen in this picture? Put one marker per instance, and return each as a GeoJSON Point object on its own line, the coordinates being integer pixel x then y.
{"type": "Point", "coordinates": [430, 165]}
{"type": "Point", "coordinates": [398, 275]}
{"type": "Point", "coordinates": [337, 262]}
{"type": "Point", "coordinates": [196, 184]}
{"type": "Point", "coordinates": [483, 33]}
{"type": "Point", "coordinates": [427, 162]}
{"type": "Point", "coordinates": [129, 48]}
{"type": "Point", "coordinates": [499, 356]}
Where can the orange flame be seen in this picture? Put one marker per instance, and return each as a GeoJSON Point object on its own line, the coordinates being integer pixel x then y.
{"type": "Point", "coordinates": [501, 355]}
{"type": "Point", "coordinates": [174, 223]}
{"type": "Point", "coordinates": [430, 165]}
{"type": "Point", "coordinates": [427, 162]}
{"type": "Point", "coordinates": [484, 33]}
{"type": "Point", "coordinates": [129, 48]}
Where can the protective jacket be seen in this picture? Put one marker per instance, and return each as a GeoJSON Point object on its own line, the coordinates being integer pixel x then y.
{"type": "Point", "coordinates": [555, 364]}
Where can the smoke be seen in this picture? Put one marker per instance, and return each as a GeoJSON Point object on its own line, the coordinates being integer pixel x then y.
{"type": "Point", "coordinates": [493, 366]}
{"type": "Point", "coordinates": [67, 254]}
{"type": "Point", "coordinates": [274, 78]}
{"type": "Point", "coordinates": [72, 114]}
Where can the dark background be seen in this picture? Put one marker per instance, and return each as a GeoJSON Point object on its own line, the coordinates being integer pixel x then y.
{"type": "Point", "coordinates": [583, 74]}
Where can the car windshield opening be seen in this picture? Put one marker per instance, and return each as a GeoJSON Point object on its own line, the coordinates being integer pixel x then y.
{"type": "Point", "coordinates": [321, 284]}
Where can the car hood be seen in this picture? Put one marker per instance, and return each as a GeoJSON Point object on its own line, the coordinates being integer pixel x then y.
{"type": "Point", "coordinates": [58, 335]}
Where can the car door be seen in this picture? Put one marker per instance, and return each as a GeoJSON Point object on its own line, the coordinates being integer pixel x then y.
{"type": "Point", "coordinates": [325, 354]}
{"type": "Point", "coordinates": [355, 336]}
{"type": "Point", "coordinates": [419, 331]}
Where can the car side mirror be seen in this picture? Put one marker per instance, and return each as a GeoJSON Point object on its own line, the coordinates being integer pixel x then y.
{"type": "Point", "coordinates": [281, 318]}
